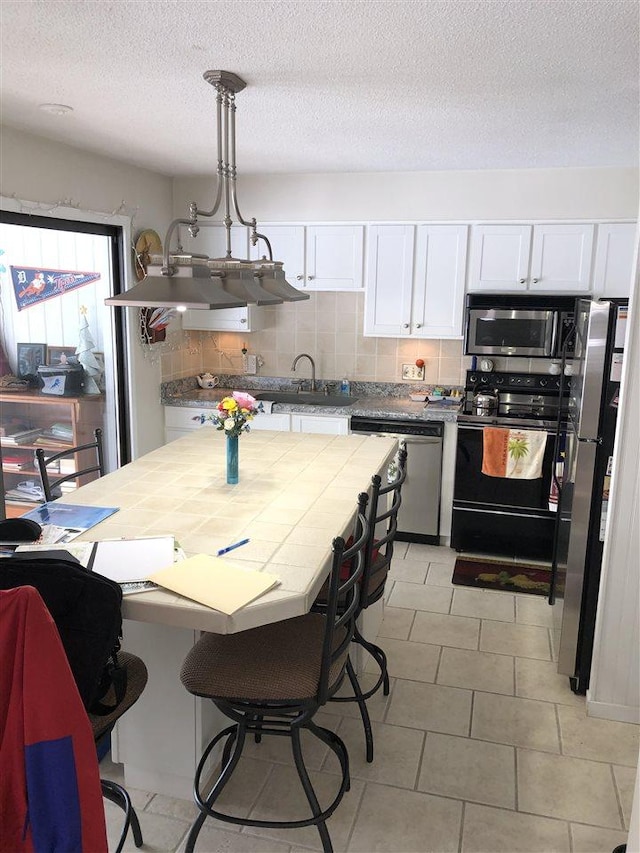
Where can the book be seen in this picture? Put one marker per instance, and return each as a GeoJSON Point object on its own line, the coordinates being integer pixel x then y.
{"type": "Point", "coordinates": [215, 582]}
{"type": "Point", "coordinates": [126, 561]}
{"type": "Point", "coordinates": [25, 437]}
{"type": "Point", "coordinates": [74, 518]}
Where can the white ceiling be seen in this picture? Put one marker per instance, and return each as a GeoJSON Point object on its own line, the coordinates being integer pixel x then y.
{"type": "Point", "coordinates": [333, 85]}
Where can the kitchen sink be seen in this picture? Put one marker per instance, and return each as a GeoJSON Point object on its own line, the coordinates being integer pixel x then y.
{"type": "Point", "coordinates": [307, 398]}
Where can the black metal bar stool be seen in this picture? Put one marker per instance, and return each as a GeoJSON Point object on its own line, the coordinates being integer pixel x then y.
{"type": "Point", "coordinates": [271, 680]}
{"type": "Point", "coordinates": [384, 504]}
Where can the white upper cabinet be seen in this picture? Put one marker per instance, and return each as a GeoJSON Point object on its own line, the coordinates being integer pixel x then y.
{"type": "Point", "coordinates": [387, 301]}
{"type": "Point", "coordinates": [546, 257]}
{"type": "Point", "coordinates": [211, 241]}
{"type": "Point", "coordinates": [415, 281]}
{"type": "Point", "coordinates": [317, 257]}
{"type": "Point", "coordinates": [335, 257]}
{"type": "Point", "coordinates": [499, 257]}
{"type": "Point", "coordinates": [561, 257]}
{"type": "Point", "coordinates": [614, 264]}
{"type": "Point", "coordinates": [287, 245]}
{"type": "Point", "coordinates": [438, 282]}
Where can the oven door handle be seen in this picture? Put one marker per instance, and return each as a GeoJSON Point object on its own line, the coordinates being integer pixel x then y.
{"type": "Point", "coordinates": [463, 426]}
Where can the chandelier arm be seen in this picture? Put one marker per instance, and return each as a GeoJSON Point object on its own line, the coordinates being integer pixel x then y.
{"type": "Point", "coordinates": [259, 236]}
{"type": "Point", "coordinates": [220, 171]}
{"type": "Point", "coordinates": [166, 267]}
{"type": "Point", "coordinates": [232, 172]}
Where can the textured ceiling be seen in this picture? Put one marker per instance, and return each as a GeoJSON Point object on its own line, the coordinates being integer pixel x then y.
{"type": "Point", "coordinates": [342, 85]}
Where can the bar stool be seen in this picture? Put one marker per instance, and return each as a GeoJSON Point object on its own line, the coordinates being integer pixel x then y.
{"type": "Point", "coordinates": [382, 514]}
{"type": "Point", "coordinates": [272, 680]}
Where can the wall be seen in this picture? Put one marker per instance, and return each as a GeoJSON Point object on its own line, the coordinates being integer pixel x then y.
{"type": "Point", "coordinates": [35, 169]}
{"type": "Point", "coordinates": [329, 325]}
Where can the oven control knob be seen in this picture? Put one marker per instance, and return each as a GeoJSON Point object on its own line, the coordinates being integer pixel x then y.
{"type": "Point", "coordinates": [499, 380]}
{"type": "Point", "coordinates": [484, 379]}
{"type": "Point", "coordinates": [543, 383]}
{"type": "Point", "coordinates": [473, 378]}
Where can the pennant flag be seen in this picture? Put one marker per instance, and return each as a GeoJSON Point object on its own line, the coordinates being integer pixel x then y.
{"type": "Point", "coordinates": [35, 284]}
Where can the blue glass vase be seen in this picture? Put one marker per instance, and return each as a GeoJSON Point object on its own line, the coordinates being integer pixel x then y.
{"type": "Point", "coordinates": [232, 459]}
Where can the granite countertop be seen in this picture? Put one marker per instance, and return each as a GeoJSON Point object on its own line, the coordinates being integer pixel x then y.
{"type": "Point", "coordinates": [373, 406]}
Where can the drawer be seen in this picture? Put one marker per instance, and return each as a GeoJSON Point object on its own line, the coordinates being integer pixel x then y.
{"type": "Point", "coordinates": [180, 417]}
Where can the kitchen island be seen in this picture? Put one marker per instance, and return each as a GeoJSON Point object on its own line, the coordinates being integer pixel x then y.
{"type": "Point", "coordinates": [296, 492]}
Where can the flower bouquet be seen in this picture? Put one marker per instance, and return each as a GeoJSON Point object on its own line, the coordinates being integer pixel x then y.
{"type": "Point", "coordinates": [232, 416]}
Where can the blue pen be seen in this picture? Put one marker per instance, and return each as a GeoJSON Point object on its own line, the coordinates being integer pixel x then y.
{"type": "Point", "coordinates": [231, 547]}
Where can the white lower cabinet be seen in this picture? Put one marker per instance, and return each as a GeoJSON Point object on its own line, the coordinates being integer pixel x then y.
{"type": "Point", "coordinates": [179, 421]}
{"type": "Point", "coordinates": [415, 281]}
{"type": "Point", "coordinates": [275, 421]}
{"type": "Point", "coordinates": [325, 424]}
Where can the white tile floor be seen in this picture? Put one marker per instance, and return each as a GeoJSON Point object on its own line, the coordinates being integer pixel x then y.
{"type": "Point", "coordinates": [481, 747]}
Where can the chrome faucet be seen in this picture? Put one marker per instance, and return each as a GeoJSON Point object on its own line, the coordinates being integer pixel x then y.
{"type": "Point", "coordinates": [313, 367]}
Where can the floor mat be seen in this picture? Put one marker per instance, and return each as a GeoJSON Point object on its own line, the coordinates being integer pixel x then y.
{"type": "Point", "coordinates": [494, 574]}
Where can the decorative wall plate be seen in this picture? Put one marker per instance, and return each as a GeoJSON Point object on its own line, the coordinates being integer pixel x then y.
{"type": "Point", "coordinates": [148, 243]}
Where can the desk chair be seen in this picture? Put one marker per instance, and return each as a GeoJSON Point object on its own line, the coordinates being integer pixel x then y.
{"type": "Point", "coordinates": [384, 504]}
{"type": "Point", "coordinates": [50, 796]}
{"type": "Point", "coordinates": [31, 572]}
{"type": "Point", "coordinates": [45, 460]}
{"type": "Point", "coordinates": [271, 680]}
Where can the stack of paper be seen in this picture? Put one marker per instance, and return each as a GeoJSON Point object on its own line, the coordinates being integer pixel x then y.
{"type": "Point", "coordinates": [214, 582]}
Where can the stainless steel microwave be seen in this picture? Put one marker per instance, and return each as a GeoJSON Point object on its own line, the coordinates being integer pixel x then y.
{"type": "Point", "coordinates": [525, 326]}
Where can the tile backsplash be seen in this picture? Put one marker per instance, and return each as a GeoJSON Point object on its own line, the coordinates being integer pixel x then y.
{"type": "Point", "coordinates": [328, 327]}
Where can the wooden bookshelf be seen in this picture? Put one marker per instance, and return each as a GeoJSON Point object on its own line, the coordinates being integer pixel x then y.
{"type": "Point", "coordinates": [33, 410]}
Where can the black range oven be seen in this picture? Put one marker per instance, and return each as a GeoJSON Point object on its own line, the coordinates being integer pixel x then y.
{"type": "Point", "coordinates": [500, 515]}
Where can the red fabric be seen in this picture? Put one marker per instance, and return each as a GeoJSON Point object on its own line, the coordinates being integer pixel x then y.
{"type": "Point", "coordinates": [40, 703]}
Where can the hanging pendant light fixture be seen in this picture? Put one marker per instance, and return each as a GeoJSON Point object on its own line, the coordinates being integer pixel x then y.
{"type": "Point", "coordinates": [181, 280]}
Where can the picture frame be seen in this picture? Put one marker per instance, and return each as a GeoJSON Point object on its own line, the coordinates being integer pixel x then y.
{"type": "Point", "coordinates": [30, 357]}
{"type": "Point", "coordinates": [61, 355]}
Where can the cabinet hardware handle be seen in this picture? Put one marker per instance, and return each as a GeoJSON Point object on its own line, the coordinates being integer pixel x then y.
{"type": "Point", "coordinates": [405, 325]}
{"type": "Point", "coordinates": [522, 281]}
{"type": "Point", "coordinates": [311, 277]}
{"type": "Point", "coordinates": [243, 319]}
{"type": "Point", "coordinates": [299, 277]}
{"type": "Point", "coordinates": [418, 325]}
{"type": "Point", "coordinates": [536, 280]}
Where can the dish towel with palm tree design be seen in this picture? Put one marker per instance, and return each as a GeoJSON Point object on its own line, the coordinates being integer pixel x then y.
{"type": "Point", "coordinates": [513, 453]}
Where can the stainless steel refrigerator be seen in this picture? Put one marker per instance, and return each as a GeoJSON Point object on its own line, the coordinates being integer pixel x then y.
{"type": "Point", "coordinates": [591, 410]}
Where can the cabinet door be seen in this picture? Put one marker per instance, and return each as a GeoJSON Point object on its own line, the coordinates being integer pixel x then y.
{"type": "Point", "coordinates": [248, 319]}
{"type": "Point", "coordinates": [614, 263]}
{"type": "Point", "coordinates": [499, 257]}
{"type": "Point", "coordinates": [387, 299]}
{"type": "Point", "coordinates": [561, 257]}
{"type": "Point", "coordinates": [438, 284]}
{"type": "Point", "coordinates": [287, 245]}
{"type": "Point", "coordinates": [335, 257]}
{"type": "Point", "coordinates": [325, 424]}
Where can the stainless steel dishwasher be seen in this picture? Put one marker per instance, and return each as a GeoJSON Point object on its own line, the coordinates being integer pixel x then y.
{"type": "Point", "coordinates": [419, 516]}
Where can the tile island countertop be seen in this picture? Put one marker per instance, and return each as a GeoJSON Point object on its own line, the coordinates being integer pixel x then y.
{"type": "Point", "coordinates": [296, 492]}
{"type": "Point", "coordinates": [372, 405]}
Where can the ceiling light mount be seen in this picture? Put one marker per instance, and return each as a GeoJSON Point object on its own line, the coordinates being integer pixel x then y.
{"type": "Point", "coordinates": [233, 282]}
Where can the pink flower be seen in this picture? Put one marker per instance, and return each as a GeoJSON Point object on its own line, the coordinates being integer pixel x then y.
{"type": "Point", "coordinates": [244, 401]}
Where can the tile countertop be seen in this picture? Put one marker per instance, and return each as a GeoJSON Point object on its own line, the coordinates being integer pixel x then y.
{"type": "Point", "coordinates": [374, 406]}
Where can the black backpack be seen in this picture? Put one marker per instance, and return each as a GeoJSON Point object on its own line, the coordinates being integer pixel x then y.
{"type": "Point", "coordinates": [86, 608]}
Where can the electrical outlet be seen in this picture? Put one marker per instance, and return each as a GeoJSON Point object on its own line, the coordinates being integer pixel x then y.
{"type": "Point", "coordinates": [413, 373]}
{"type": "Point", "coordinates": [250, 363]}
